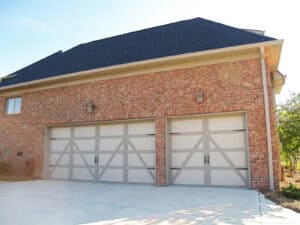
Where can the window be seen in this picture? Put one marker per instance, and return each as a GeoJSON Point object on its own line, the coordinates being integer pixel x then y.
{"type": "Point", "coordinates": [13, 105]}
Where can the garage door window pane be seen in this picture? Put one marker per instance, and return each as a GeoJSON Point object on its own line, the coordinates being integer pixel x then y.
{"type": "Point", "coordinates": [13, 105]}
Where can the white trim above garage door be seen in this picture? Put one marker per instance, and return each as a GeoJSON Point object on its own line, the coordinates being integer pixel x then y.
{"type": "Point", "coordinates": [208, 150]}
{"type": "Point", "coordinates": [114, 152]}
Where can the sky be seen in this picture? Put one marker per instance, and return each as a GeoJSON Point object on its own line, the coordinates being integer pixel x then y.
{"type": "Point", "coordinates": [31, 30]}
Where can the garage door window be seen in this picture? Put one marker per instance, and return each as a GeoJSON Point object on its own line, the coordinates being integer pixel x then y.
{"type": "Point", "coordinates": [13, 105]}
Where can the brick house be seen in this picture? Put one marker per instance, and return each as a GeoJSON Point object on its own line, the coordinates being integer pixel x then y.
{"type": "Point", "coordinates": [188, 103]}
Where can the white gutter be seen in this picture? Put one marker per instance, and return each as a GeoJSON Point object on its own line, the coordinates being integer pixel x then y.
{"type": "Point", "coordinates": [267, 115]}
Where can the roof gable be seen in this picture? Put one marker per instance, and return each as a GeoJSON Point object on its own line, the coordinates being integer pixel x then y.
{"type": "Point", "coordinates": [182, 37]}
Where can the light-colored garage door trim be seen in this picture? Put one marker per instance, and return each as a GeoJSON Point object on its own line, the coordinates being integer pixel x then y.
{"type": "Point", "coordinates": [75, 149]}
{"type": "Point", "coordinates": [247, 147]}
{"type": "Point", "coordinates": [205, 141]}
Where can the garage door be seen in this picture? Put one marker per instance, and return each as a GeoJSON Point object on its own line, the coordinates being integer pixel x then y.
{"type": "Point", "coordinates": [209, 151]}
{"type": "Point", "coordinates": [122, 152]}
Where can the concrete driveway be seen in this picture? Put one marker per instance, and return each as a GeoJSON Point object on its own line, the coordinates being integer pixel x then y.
{"type": "Point", "coordinates": [64, 202]}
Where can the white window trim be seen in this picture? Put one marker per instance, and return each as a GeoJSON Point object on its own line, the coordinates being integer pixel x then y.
{"type": "Point", "coordinates": [14, 105]}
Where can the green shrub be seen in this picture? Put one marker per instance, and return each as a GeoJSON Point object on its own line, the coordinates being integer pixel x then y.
{"type": "Point", "coordinates": [291, 191]}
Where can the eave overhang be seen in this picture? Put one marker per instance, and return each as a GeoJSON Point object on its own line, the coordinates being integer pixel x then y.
{"type": "Point", "coordinates": [272, 49]}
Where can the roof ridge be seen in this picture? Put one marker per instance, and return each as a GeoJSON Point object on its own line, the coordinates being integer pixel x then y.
{"type": "Point", "coordinates": [164, 25]}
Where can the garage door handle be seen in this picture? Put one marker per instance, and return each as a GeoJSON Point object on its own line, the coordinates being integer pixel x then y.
{"type": "Point", "coordinates": [241, 168]}
{"type": "Point", "coordinates": [174, 133]}
{"type": "Point", "coordinates": [239, 130]}
{"type": "Point", "coordinates": [175, 168]}
{"type": "Point", "coordinates": [206, 159]}
{"type": "Point", "coordinates": [96, 160]}
{"type": "Point", "coordinates": [151, 168]}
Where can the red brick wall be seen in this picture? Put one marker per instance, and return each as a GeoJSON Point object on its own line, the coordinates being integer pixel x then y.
{"type": "Point", "coordinates": [230, 86]}
{"type": "Point", "coordinates": [160, 124]}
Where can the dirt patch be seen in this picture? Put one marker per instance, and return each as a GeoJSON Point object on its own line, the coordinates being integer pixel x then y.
{"type": "Point", "coordinates": [280, 199]}
{"type": "Point", "coordinates": [295, 179]}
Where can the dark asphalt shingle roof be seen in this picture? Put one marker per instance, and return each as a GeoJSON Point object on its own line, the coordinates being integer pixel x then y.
{"type": "Point", "coordinates": [167, 40]}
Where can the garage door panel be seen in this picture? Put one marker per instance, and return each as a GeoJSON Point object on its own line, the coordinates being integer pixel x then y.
{"type": "Point", "coordinates": [189, 177]}
{"type": "Point", "coordinates": [228, 178]}
{"type": "Point", "coordinates": [134, 160]}
{"type": "Point", "coordinates": [112, 175]}
{"type": "Point", "coordinates": [186, 142]}
{"type": "Point", "coordinates": [112, 130]}
{"type": "Point", "coordinates": [217, 159]}
{"type": "Point", "coordinates": [226, 123]}
{"type": "Point", "coordinates": [61, 132]}
{"type": "Point", "coordinates": [85, 145]}
{"type": "Point", "coordinates": [227, 141]}
{"type": "Point", "coordinates": [60, 145]}
{"type": "Point", "coordinates": [178, 159]}
{"type": "Point", "coordinates": [59, 159]}
{"type": "Point", "coordinates": [142, 143]}
{"type": "Point", "coordinates": [238, 159]}
{"type": "Point", "coordinates": [139, 176]}
{"type": "Point", "coordinates": [60, 173]}
{"type": "Point", "coordinates": [83, 174]}
{"type": "Point", "coordinates": [195, 160]}
{"type": "Point", "coordinates": [117, 159]}
{"type": "Point", "coordinates": [187, 125]}
{"type": "Point", "coordinates": [85, 131]}
{"type": "Point", "coordinates": [84, 159]}
{"type": "Point", "coordinates": [111, 144]}
{"type": "Point", "coordinates": [141, 128]}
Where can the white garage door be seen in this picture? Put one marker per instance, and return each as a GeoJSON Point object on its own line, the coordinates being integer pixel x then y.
{"type": "Point", "coordinates": [110, 152]}
{"type": "Point", "coordinates": [208, 151]}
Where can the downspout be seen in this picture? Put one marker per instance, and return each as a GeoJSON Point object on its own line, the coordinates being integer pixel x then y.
{"type": "Point", "coordinates": [267, 115]}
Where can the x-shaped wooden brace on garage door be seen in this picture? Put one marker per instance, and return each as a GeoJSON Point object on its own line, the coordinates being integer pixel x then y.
{"type": "Point", "coordinates": [51, 171]}
{"type": "Point", "coordinates": [133, 148]}
{"type": "Point", "coordinates": [64, 152]}
{"type": "Point", "coordinates": [227, 159]}
{"type": "Point", "coordinates": [106, 166]}
{"type": "Point", "coordinates": [219, 150]}
{"type": "Point", "coordinates": [186, 160]}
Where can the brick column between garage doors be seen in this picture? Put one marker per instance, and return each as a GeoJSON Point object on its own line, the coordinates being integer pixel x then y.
{"type": "Point", "coordinates": [160, 145]}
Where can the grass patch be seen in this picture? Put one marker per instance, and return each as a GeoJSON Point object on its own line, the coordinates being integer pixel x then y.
{"type": "Point", "coordinates": [291, 191]}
